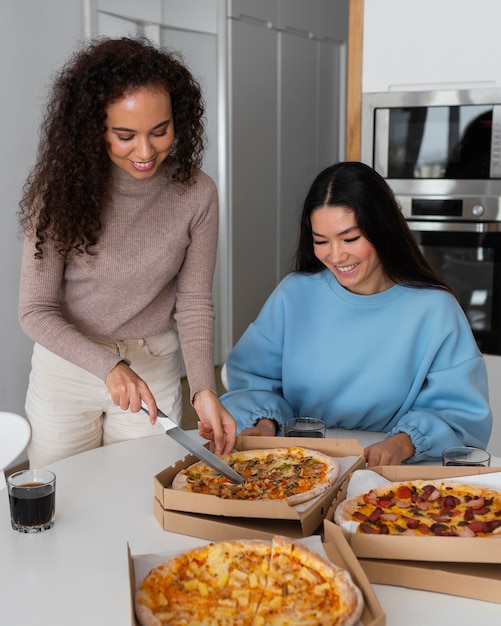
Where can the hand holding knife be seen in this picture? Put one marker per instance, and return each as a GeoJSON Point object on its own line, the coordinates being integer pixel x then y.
{"type": "Point", "coordinates": [201, 452]}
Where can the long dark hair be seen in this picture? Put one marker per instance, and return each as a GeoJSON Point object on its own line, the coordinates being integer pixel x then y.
{"type": "Point", "coordinates": [358, 187]}
{"type": "Point", "coordinates": [68, 188]}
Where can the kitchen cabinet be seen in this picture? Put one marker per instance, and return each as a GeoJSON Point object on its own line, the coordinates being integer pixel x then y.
{"type": "Point", "coordinates": [299, 137]}
{"type": "Point", "coordinates": [298, 16]}
{"type": "Point", "coordinates": [286, 100]}
{"type": "Point", "coordinates": [259, 10]}
{"type": "Point", "coordinates": [253, 162]}
{"type": "Point", "coordinates": [191, 15]}
{"type": "Point", "coordinates": [310, 128]}
{"type": "Point", "coordinates": [144, 11]}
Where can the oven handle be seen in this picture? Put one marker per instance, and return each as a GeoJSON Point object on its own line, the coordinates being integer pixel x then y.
{"type": "Point", "coordinates": [455, 227]}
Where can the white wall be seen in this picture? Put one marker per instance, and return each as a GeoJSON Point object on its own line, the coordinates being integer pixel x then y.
{"type": "Point", "coordinates": [430, 41]}
{"type": "Point", "coordinates": [35, 38]}
{"type": "Point", "coordinates": [435, 44]}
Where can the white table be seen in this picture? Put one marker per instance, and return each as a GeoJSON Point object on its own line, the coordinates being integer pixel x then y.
{"type": "Point", "coordinates": [76, 573]}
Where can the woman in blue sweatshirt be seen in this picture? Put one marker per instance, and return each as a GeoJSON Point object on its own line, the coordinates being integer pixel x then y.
{"type": "Point", "coordinates": [363, 334]}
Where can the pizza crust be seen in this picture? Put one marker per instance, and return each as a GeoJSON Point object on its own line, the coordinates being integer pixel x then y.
{"type": "Point", "coordinates": [143, 613]}
{"type": "Point", "coordinates": [183, 482]}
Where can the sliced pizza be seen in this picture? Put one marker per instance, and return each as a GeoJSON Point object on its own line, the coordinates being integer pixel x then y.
{"type": "Point", "coordinates": [248, 583]}
{"type": "Point", "coordinates": [294, 475]}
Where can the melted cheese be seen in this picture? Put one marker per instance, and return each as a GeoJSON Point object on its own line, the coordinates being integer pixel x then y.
{"type": "Point", "coordinates": [429, 510]}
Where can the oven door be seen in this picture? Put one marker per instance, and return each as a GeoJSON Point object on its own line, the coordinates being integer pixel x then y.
{"type": "Point", "coordinates": [467, 256]}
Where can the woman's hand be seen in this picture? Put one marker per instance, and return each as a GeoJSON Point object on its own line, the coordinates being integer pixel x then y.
{"type": "Point", "coordinates": [215, 421]}
{"type": "Point", "coordinates": [129, 391]}
{"type": "Point", "coordinates": [391, 451]}
{"type": "Point", "coordinates": [263, 428]}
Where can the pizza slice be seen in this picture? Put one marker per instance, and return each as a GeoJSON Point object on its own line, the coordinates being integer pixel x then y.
{"type": "Point", "coordinates": [304, 588]}
{"type": "Point", "coordinates": [208, 585]}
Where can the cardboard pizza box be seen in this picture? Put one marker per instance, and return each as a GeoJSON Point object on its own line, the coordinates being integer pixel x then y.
{"type": "Point", "coordinates": [430, 548]}
{"type": "Point", "coordinates": [335, 548]}
{"type": "Point", "coordinates": [210, 517]}
{"type": "Point", "coordinates": [481, 581]}
{"type": "Point", "coordinates": [339, 552]}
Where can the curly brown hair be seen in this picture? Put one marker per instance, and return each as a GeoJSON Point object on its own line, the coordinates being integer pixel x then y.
{"type": "Point", "coordinates": [64, 195]}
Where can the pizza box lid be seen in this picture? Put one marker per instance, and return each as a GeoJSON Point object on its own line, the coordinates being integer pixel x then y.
{"type": "Point", "coordinates": [348, 453]}
{"type": "Point", "coordinates": [333, 545]}
{"type": "Point", "coordinates": [339, 552]}
{"type": "Point", "coordinates": [430, 548]}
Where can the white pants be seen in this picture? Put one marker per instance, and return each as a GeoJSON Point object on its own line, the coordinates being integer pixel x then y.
{"type": "Point", "coordinates": [70, 410]}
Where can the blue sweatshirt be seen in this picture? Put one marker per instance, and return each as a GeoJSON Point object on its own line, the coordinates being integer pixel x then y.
{"type": "Point", "coordinates": [404, 360]}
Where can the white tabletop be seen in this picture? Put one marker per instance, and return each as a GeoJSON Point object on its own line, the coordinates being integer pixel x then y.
{"type": "Point", "coordinates": [76, 573]}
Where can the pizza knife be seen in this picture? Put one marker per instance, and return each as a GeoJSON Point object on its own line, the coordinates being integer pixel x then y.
{"type": "Point", "coordinates": [200, 451]}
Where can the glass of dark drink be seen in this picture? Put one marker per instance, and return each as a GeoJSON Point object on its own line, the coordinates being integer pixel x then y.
{"type": "Point", "coordinates": [304, 427]}
{"type": "Point", "coordinates": [32, 497]}
{"type": "Point", "coordinates": [466, 456]}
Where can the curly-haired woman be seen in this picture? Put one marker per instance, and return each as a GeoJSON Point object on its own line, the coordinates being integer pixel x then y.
{"type": "Point", "coordinates": [120, 228]}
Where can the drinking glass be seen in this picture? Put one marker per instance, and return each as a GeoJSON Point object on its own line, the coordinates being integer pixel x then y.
{"type": "Point", "coordinates": [467, 456]}
{"type": "Point", "coordinates": [32, 497]}
{"type": "Point", "coordinates": [304, 427]}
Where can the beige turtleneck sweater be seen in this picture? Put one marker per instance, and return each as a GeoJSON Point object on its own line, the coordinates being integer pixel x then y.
{"type": "Point", "coordinates": [154, 267]}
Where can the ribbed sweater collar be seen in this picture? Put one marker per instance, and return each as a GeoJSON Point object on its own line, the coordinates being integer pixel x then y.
{"type": "Point", "coordinates": [127, 184]}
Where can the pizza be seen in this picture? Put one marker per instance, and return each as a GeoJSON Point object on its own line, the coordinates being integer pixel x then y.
{"type": "Point", "coordinates": [419, 507]}
{"type": "Point", "coordinates": [291, 474]}
{"type": "Point", "coordinates": [248, 583]}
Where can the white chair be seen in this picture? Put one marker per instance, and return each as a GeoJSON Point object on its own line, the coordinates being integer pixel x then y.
{"type": "Point", "coordinates": [15, 432]}
{"type": "Point", "coordinates": [224, 377]}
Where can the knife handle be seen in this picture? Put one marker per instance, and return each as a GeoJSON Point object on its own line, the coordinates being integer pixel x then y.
{"type": "Point", "coordinates": [159, 412]}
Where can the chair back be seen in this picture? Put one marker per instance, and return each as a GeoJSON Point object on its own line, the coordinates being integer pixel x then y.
{"type": "Point", "coordinates": [224, 377]}
{"type": "Point", "coordinates": [15, 434]}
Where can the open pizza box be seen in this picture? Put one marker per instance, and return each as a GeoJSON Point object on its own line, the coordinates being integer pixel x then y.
{"type": "Point", "coordinates": [479, 550]}
{"type": "Point", "coordinates": [334, 546]}
{"type": "Point", "coordinates": [210, 517]}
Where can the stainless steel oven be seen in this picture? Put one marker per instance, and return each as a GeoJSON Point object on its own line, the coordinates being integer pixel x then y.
{"type": "Point", "coordinates": [440, 152]}
{"type": "Point", "coordinates": [465, 248]}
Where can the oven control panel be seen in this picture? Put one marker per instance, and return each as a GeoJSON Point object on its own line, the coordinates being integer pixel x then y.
{"type": "Point", "coordinates": [484, 209]}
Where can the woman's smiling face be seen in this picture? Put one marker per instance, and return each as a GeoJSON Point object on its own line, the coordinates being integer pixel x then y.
{"type": "Point", "coordinates": [140, 131]}
{"type": "Point", "coordinates": [340, 245]}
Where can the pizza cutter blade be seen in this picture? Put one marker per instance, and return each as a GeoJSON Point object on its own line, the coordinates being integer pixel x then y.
{"type": "Point", "coordinates": [201, 452]}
